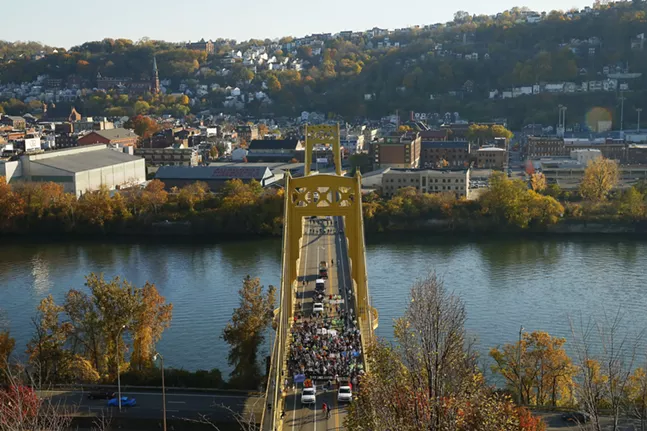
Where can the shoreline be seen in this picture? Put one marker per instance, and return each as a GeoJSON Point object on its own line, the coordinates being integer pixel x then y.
{"type": "Point", "coordinates": [423, 229]}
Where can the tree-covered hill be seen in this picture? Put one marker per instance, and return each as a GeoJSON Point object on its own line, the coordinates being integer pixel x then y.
{"type": "Point", "coordinates": [435, 68]}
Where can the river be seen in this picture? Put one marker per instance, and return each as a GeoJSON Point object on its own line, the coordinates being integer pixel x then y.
{"type": "Point", "coordinates": [537, 283]}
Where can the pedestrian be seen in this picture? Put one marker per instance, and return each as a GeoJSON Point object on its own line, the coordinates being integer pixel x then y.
{"type": "Point", "coordinates": [324, 408]}
{"type": "Point", "coordinates": [327, 413]}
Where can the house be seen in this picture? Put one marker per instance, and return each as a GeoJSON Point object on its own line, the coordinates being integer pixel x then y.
{"type": "Point", "coordinates": [206, 46]}
{"type": "Point", "coordinates": [119, 136]}
{"type": "Point", "coordinates": [15, 122]}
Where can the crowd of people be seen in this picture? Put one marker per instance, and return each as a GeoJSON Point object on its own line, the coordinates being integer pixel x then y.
{"type": "Point", "coordinates": [327, 346]}
{"type": "Point", "coordinates": [320, 352]}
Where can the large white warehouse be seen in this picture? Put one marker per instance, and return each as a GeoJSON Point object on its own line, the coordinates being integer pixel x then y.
{"type": "Point", "coordinates": [86, 168]}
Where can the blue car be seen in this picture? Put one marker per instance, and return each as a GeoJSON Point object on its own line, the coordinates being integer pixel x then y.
{"type": "Point", "coordinates": [125, 402]}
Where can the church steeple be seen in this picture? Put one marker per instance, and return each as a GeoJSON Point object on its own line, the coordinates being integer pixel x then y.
{"type": "Point", "coordinates": [155, 81]}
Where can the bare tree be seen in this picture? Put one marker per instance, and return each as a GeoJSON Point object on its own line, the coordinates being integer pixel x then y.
{"type": "Point", "coordinates": [604, 375]}
{"type": "Point", "coordinates": [23, 409]}
{"type": "Point", "coordinates": [619, 353]}
{"type": "Point", "coordinates": [246, 422]}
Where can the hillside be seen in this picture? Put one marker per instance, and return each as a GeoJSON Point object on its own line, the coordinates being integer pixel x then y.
{"type": "Point", "coordinates": [464, 66]}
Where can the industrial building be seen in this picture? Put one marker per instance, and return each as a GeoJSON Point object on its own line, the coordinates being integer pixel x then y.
{"type": "Point", "coordinates": [216, 176]}
{"type": "Point", "coordinates": [84, 169]}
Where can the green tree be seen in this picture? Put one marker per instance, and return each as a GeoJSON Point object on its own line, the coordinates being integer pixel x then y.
{"type": "Point", "coordinates": [631, 203]}
{"type": "Point", "coordinates": [246, 330]}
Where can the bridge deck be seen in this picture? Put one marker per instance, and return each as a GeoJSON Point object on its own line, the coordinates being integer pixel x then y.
{"type": "Point", "coordinates": [322, 241]}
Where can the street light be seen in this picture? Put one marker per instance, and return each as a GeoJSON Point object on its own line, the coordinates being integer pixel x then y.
{"type": "Point", "coordinates": [639, 110]}
{"type": "Point", "coordinates": [519, 366]}
{"type": "Point", "coordinates": [118, 360]}
{"type": "Point", "coordinates": [163, 388]}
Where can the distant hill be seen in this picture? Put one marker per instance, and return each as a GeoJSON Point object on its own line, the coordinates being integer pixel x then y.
{"type": "Point", "coordinates": [453, 67]}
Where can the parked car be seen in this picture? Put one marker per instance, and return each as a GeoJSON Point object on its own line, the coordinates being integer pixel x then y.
{"type": "Point", "coordinates": [101, 395]}
{"type": "Point", "coordinates": [125, 402]}
{"type": "Point", "coordinates": [576, 417]}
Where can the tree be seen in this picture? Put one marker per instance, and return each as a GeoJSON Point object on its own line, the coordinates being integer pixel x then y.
{"type": "Point", "coordinates": [154, 196]}
{"type": "Point", "coordinates": [141, 107]}
{"type": "Point", "coordinates": [192, 194]}
{"type": "Point", "coordinates": [95, 207]}
{"type": "Point", "coordinates": [632, 203]}
{"type": "Point", "coordinates": [538, 182]}
{"type": "Point", "coordinates": [600, 176]}
{"type": "Point", "coordinates": [46, 348]}
{"type": "Point", "coordinates": [245, 332]}
{"type": "Point", "coordinates": [428, 379]}
{"type": "Point", "coordinates": [11, 205]}
{"type": "Point", "coordinates": [545, 373]}
{"type": "Point", "coordinates": [636, 393]}
{"type": "Point", "coordinates": [213, 152]}
{"type": "Point", "coordinates": [7, 344]}
{"type": "Point", "coordinates": [144, 127]}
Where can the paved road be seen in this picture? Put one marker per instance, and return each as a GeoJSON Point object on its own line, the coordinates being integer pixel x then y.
{"type": "Point", "coordinates": [322, 241]}
{"type": "Point", "coordinates": [149, 405]}
{"type": "Point", "coordinates": [554, 422]}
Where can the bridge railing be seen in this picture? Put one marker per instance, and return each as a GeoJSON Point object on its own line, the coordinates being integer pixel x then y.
{"type": "Point", "coordinates": [273, 390]}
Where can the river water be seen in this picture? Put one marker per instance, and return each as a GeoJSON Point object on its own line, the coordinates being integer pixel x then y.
{"type": "Point", "coordinates": [537, 283]}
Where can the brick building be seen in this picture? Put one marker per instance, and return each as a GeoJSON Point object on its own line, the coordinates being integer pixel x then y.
{"type": "Point", "coordinates": [119, 136]}
{"type": "Point", "coordinates": [396, 151]}
{"type": "Point", "coordinates": [542, 146]}
{"type": "Point", "coordinates": [455, 153]}
{"type": "Point", "coordinates": [491, 158]}
{"type": "Point", "coordinates": [427, 181]}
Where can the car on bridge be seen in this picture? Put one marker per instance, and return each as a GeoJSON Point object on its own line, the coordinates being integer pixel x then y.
{"type": "Point", "coordinates": [345, 394]}
{"type": "Point", "coordinates": [125, 402]}
{"type": "Point", "coordinates": [309, 395]}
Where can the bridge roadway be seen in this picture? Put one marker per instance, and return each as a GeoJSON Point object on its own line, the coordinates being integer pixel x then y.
{"type": "Point", "coordinates": [322, 241]}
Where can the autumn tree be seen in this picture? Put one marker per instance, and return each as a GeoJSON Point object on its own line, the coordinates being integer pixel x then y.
{"type": "Point", "coordinates": [46, 349]}
{"type": "Point", "coordinates": [538, 182]}
{"type": "Point", "coordinates": [545, 372]}
{"type": "Point", "coordinates": [11, 205]}
{"type": "Point", "coordinates": [192, 194]}
{"type": "Point", "coordinates": [245, 332]}
{"type": "Point", "coordinates": [155, 196]}
{"type": "Point", "coordinates": [510, 201]}
{"type": "Point", "coordinates": [7, 344]}
{"type": "Point", "coordinates": [600, 177]}
{"type": "Point", "coordinates": [428, 378]}
{"type": "Point", "coordinates": [95, 207]}
{"type": "Point", "coordinates": [636, 395]}
{"type": "Point", "coordinates": [143, 126]}
{"type": "Point", "coordinates": [631, 203]}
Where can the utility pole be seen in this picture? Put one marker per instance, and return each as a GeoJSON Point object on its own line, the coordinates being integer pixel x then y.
{"type": "Point", "coordinates": [520, 389]}
{"type": "Point", "coordinates": [638, 110]}
{"type": "Point", "coordinates": [622, 110]}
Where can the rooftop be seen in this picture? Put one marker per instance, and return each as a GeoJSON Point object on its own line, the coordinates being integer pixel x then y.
{"type": "Point", "coordinates": [273, 144]}
{"type": "Point", "coordinates": [85, 161]}
{"type": "Point", "coordinates": [491, 149]}
{"type": "Point", "coordinates": [213, 172]}
{"type": "Point", "coordinates": [113, 134]}
{"type": "Point", "coordinates": [445, 144]}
